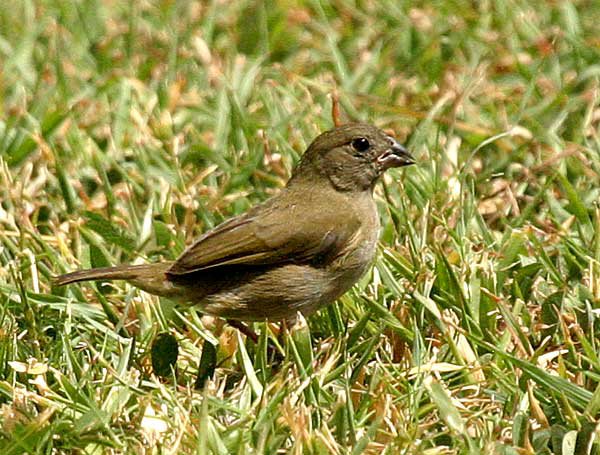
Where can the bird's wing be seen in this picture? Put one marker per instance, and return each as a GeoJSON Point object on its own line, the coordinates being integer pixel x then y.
{"type": "Point", "coordinates": [267, 235]}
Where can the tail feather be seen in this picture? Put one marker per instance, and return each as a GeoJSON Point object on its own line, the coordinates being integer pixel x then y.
{"type": "Point", "coordinates": [152, 278]}
{"type": "Point", "coordinates": [122, 272]}
{"type": "Point", "coordinates": [149, 277]}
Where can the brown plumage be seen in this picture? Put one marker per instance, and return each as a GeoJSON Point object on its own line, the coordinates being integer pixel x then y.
{"type": "Point", "coordinates": [298, 251]}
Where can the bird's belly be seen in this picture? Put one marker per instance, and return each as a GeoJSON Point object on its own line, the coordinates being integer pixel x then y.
{"type": "Point", "coordinates": [275, 293]}
{"type": "Point", "coordinates": [279, 292]}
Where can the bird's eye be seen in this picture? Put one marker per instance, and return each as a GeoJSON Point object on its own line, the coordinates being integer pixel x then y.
{"type": "Point", "coordinates": [360, 144]}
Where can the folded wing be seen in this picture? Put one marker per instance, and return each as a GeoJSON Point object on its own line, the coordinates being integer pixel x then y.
{"type": "Point", "coordinates": [267, 235]}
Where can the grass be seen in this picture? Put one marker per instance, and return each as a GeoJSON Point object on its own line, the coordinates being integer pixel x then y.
{"type": "Point", "coordinates": [128, 128]}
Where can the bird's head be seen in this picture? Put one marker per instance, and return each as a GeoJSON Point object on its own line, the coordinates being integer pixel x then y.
{"type": "Point", "coordinates": [352, 157]}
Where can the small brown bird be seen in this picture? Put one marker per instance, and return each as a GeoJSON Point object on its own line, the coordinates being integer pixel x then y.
{"type": "Point", "coordinates": [298, 251]}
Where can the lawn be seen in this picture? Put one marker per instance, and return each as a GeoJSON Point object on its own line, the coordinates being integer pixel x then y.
{"type": "Point", "coordinates": [128, 128]}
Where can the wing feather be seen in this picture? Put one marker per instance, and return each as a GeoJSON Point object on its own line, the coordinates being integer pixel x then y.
{"type": "Point", "coordinates": [266, 235]}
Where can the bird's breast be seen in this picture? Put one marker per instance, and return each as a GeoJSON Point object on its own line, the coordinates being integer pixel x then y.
{"type": "Point", "coordinates": [358, 253]}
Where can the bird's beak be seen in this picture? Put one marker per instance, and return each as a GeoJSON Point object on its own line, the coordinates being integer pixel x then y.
{"type": "Point", "coordinates": [395, 156]}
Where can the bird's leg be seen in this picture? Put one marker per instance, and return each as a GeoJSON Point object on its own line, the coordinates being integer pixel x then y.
{"type": "Point", "coordinates": [244, 329]}
{"type": "Point", "coordinates": [288, 323]}
{"type": "Point", "coordinates": [293, 323]}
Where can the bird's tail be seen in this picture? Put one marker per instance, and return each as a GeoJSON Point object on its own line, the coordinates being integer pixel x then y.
{"type": "Point", "coordinates": [122, 272]}
{"type": "Point", "coordinates": [149, 277]}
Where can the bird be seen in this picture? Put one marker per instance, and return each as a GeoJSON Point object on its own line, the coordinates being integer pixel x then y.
{"type": "Point", "coordinates": [298, 251]}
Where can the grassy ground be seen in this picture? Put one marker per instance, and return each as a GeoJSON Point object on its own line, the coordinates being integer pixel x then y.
{"type": "Point", "coordinates": [128, 128]}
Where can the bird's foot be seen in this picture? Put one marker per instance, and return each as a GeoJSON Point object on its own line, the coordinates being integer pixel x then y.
{"type": "Point", "coordinates": [244, 329]}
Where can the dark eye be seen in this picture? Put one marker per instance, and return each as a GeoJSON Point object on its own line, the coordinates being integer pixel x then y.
{"type": "Point", "coordinates": [360, 144]}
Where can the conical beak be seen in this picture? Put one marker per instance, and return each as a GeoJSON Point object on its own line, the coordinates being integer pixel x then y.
{"type": "Point", "coordinates": [395, 156]}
